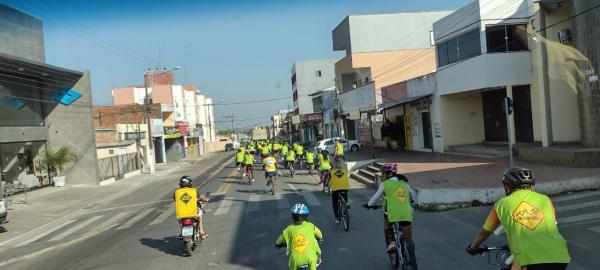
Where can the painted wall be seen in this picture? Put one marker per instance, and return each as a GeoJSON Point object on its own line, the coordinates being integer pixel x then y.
{"type": "Point", "coordinates": [104, 152]}
{"type": "Point", "coordinates": [21, 35]}
{"type": "Point", "coordinates": [462, 118]}
{"type": "Point", "coordinates": [123, 95]}
{"type": "Point", "coordinates": [385, 32]}
{"type": "Point", "coordinates": [308, 81]}
{"type": "Point", "coordinates": [484, 71]}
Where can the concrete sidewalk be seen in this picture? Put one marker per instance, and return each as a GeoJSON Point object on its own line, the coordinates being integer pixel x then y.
{"type": "Point", "coordinates": [443, 180]}
{"type": "Point", "coordinates": [42, 206]}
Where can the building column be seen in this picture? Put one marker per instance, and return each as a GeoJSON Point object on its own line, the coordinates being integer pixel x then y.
{"type": "Point", "coordinates": [540, 81]}
{"type": "Point", "coordinates": [509, 93]}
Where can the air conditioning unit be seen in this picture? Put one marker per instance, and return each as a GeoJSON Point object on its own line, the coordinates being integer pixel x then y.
{"type": "Point", "coordinates": [565, 36]}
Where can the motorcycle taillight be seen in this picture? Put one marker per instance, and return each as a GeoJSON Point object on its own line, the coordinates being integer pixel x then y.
{"type": "Point", "coordinates": [187, 222]}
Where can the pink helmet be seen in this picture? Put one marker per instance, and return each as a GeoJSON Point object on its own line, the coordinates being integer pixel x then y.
{"type": "Point", "coordinates": [389, 168]}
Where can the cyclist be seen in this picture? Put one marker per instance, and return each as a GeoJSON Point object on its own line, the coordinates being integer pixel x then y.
{"type": "Point", "coordinates": [276, 148]}
{"type": "Point", "coordinates": [397, 199]}
{"type": "Point", "coordinates": [529, 220]}
{"type": "Point", "coordinates": [310, 161]}
{"type": "Point", "coordinates": [301, 239]}
{"type": "Point", "coordinates": [290, 158]}
{"type": "Point", "coordinates": [239, 159]}
{"type": "Point", "coordinates": [324, 168]}
{"type": "Point", "coordinates": [188, 205]}
{"type": "Point", "coordinates": [339, 151]}
{"type": "Point", "coordinates": [265, 149]}
{"type": "Point", "coordinates": [339, 185]}
{"type": "Point", "coordinates": [249, 164]}
{"type": "Point", "coordinates": [270, 167]}
{"type": "Point", "coordinates": [284, 150]}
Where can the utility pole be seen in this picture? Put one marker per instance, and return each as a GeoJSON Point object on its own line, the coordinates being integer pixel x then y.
{"type": "Point", "coordinates": [147, 101]}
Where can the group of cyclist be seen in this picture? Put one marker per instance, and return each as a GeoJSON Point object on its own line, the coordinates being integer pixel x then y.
{"type": "Point", "coordinates": [528, 217]}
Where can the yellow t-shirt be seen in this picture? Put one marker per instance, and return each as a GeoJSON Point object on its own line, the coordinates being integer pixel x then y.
{"type": "Point", "coordinates": [270, 164]}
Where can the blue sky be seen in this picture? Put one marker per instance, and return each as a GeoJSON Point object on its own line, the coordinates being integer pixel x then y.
{"type": "Point", "coordinates": [232, 50]}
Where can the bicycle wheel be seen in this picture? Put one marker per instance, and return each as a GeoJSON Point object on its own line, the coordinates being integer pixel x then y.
{"type": "Point", "coordinates": [394, 258]}
{"type": "Point", "coordinates": [404, 254]}
{"type": "Point", "coordinates": [273, 185]}
{"type": "Point", "coordinates": [344, 214]}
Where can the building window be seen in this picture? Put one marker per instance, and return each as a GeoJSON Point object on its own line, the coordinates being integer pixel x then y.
{"type": "Point", "coordinates": [319, 73]}
{"type": "Point", "coordinates": [459, 48]}
{"type": "Point", "coordinates": [367, 80]}
{"type": "Point", "coordinates": [111, 152]}
{"type": "Point", "coordinates": [506, 38]}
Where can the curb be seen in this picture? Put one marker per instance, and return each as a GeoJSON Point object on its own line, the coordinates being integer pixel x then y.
{"type": "Point", "coordinates": [441, 199]}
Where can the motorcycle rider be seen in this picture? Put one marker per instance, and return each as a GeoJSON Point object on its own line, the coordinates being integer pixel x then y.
{"type": "Point", "coordinates": [301, 239]}
{"type": "Point", "coordinates": [529, 221]}
{"type": "Point", "coordinates": [188, 204]}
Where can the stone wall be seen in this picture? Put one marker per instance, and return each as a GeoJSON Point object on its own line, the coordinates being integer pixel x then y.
{"type": "Point", "coordinates": [587, 39]}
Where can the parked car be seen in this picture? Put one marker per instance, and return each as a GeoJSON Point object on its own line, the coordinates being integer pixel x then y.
{"type": "Point", "coordinates": [329, 145]}
{"type": "Point", "coordinates": [3, 212]}
{"type": "Point", "coordinates": [229, 147]}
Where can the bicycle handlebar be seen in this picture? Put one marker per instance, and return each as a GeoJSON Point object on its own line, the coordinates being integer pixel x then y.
{"type": "Point", "coordinates": [485, 249]}
{"type": "Point", "coordinates": [373, 207]}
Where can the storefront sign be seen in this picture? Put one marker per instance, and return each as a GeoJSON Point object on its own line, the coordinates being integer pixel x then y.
{"type": "Point", "coordinates": [312, 117]}
{"type": "Point", "coordinates": [156, 126]}
{"type": "Point", "coordinates": [183, 127]}
{"type": "Point", "coordinates": [171, 133]}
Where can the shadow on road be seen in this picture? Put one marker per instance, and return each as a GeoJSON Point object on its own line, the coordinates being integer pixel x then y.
{"type": "Point", "coordinates": [169, 245]}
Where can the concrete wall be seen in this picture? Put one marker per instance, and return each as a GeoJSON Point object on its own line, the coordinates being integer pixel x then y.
{"type": "Point", "coordinates": [73, 126]}
{"type": "Point", "coordinates": [307, 81]}
{"type": "Point", "coordinates": [462, 119]}
{"type": "Point", "coordinates": [104, 152]}
{"type": "Point", "coordinates": [360, 99]}
{"type": "Point", "coordinates": [484, 71]}
{"type": "Point", "coordinates": [385, 32]}
{"type": "Point", "coordinates": [21, 34]}
{"type": "Point", "coordinates": [123, 95]}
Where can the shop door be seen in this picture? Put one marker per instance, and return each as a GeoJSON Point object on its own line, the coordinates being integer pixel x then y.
{"type": "Point", "coordinates": [351, 129]}
{"type": "Point", "coordinates": [522, 111]}
{"type": "Point", "coordinates": [494, 118]}
{"type": "Point", "coordinates": [427, 141]}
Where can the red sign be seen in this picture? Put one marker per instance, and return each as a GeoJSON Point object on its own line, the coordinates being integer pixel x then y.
{"type": "Point", "coordinates": [183, 127]}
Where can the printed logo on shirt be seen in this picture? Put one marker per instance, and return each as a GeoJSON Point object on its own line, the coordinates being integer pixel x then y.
{"type": "Point", "coordinates": [528, 216]}
{"type": "Point", "coordinates": [185, 197]}
{"type": "Point", "coordinates": [300, 243]}
{"type": "Point", "coordinates": [339, 173]}
{"type": "Point", "coordinates": [401, 195]}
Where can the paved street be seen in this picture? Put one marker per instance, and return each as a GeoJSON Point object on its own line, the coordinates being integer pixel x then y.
{"type": "Point", "coordinates": [138, 231]}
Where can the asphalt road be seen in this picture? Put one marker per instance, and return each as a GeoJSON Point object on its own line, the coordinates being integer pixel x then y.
{"type": "Point", "coordinates": [139, 231]}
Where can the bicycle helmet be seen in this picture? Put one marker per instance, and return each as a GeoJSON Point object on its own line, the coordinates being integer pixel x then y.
{"type": "Point", "coordinates": [300, 209]}
{"type": "Point", "coordinates": [185, 181]}
{"type": "Point", "coordinates": [389, 168]}
{"type": "Point", "coordinates": [517, 177]}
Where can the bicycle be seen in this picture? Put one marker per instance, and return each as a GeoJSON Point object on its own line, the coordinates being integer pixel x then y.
{"type": "Point", "coordinates": [325, 177]}
{"type": "Point", "coordinates": [400, 256]}
{"type": "Point", "coordinates": [271, 183]}
{"type": "Point", "coordinates": [290, 165]}
{"type": "Point", "coordinates": [503, 257]}
{"type": "Point", "coordinates": [343, 212]}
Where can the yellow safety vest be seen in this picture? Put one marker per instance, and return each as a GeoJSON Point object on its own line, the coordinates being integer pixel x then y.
{"type": "Point", "coordinates": [186, 203]}
{"type": "Point", "coordinates": [339, 180]}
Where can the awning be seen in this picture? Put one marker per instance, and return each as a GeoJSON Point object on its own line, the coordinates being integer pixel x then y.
{"type": "Point", "coordinates": [394, 104]}
{"type": "Point", "coordinates": [18, 73]}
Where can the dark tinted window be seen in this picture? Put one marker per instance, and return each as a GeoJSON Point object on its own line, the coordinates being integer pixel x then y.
{"type": "Point", "coordinates": [469, 44]}
{"type": "Point", "coordinates": [517, 37]}
{"type": "Point", "coordinates": [442, 54]}
{"type": "Point", "coordinates": [452, 50]}
{"type": "Point", "coordinates": [496, 38]}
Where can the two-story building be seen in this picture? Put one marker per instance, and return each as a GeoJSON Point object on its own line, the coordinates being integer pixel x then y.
{"type": "Point", "coordinates": [381, 49]}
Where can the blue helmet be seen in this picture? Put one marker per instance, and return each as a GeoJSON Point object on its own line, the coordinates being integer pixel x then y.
{"type": "Point", "coordinates": [300, 209]}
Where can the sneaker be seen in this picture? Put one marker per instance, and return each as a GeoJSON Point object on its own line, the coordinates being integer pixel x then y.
{"type": "Point", "coordinates": [252, 179]}
{"type": "Point", "coordinates": [391, 247]}
{"type": "Point", "coordinates": [337, 221]}
{"type": "Point", "coordinates": [244, 175]}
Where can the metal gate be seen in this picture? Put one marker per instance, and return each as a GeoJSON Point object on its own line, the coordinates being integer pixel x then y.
{"type": "Point", "coordinates": [118, 166]}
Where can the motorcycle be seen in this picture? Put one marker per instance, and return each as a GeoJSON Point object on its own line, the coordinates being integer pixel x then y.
{"type": "Point", "coordinates": [190, 230]}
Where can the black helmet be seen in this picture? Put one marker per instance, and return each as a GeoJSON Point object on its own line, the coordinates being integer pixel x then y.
{"type": "Point", "coordinates": [185, 181]}
{"type": "Point", "coordinates": [517, 177]}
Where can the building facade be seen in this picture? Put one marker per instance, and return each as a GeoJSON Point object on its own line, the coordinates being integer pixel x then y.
{"type": "Point", "coordinates": [34, 114]}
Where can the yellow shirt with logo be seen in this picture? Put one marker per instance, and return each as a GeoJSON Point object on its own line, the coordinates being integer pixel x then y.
{"type": "Point", "coordinates": [339, 180]}
{"type": "Point", "coordinates": [186, 203]}
{"type": "Point", "coordinates": [270, 164]}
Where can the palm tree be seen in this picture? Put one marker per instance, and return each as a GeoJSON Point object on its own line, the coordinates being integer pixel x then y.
{"type": "Point", "coordinates": [56, 160]}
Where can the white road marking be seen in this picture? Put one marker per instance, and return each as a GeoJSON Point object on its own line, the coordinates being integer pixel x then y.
{"type": "Point", "coordinates": [253, 204]}
{"type": "Point", "coordinates": [224, 207]}
{"type": "Point", "coordinates": [579, 218]}
{"type": "Point", "coordinates": [578, 206]}
{"type": "Point", "coordinates": [135, 219]}
{"type": "Point", "coordinates": [582, 195]}
{"type": "Point", "coordinates": [111, 222]}
{"type": "Point", "coordinates": [75, 228]}
{"type": "Point", "coordinates": [43, 234]}
{"type": "Point", "coordinates": [162, 217]}
{"type": "Point", "coordinates": [310, 198]}
{"type": "Point", "coordinates": [595, 229]}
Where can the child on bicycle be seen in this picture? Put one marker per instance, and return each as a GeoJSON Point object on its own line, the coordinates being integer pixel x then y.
{"type": "Point", "coordinates": [310, 161]}
{"type": "Point", "coordinates": [397, 207]}
{"type": "Point", "coordinates": [249, 164]}
{"type": "Point", "coordinates": [339, 185]}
